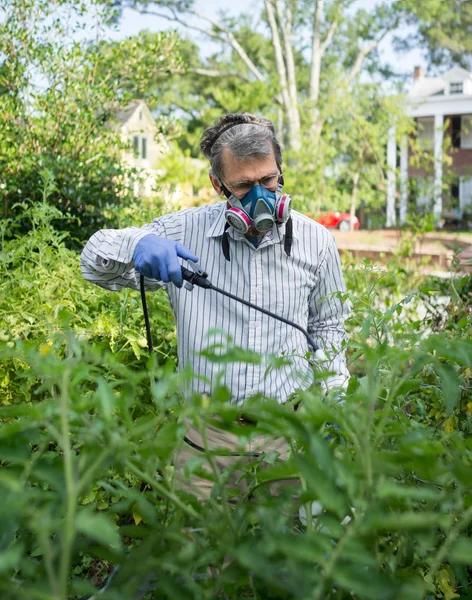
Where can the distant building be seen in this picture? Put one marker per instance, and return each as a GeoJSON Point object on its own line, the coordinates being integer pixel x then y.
{"type": "Point", "coordinates": [138, 128]}
{"type": "Point", "coordinates": [146, 154]}
{"type": "Point", "coordinates": [441, 106]}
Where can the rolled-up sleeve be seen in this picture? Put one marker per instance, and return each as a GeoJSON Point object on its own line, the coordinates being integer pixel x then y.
{"type": "Point", "coordinates": [327, 314]}
{"type": "Point", "coordinates": [107, 258]}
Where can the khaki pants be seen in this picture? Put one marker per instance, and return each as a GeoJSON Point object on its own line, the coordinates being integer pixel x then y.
{"type": "Point", "coordinates": [218, 439]}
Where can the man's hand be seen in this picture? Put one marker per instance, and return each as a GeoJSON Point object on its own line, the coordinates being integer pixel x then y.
{"type": "Point", "coordinates": [156, 257]}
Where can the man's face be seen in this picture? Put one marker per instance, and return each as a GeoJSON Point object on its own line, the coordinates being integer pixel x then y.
{"type": "Point", "coordinates": [240, 176]}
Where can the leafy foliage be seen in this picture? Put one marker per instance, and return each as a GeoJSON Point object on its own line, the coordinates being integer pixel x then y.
{"type": "Point", "coordinates": [381, 508]}
{"type": "Point", "coordinates": [58, 104]}
{"type": "Point", "coordinates": [89, 429]}
{"type": "Point", "coordinates": [444, 29]}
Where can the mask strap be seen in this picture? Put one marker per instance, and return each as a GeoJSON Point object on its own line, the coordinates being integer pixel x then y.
{"type": "Point", "coordinates": [225, 242]}
{"type": "Point", "coordinates": [225, 191]}
{"type": "Point", "coordinates": [288, 237]}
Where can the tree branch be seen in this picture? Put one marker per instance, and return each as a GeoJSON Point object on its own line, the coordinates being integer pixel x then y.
{"type": "Point", "coordinates": [216, 73]}
{"type": "Point", "coordinates": [225, 36]}
{"type": "Point", "coordinates": [230, 38]}
{"type": "Point", "coordinates": [177, 19]}
{"type": "Point", "coordinates": [361, 56]}
{"type": "Point", "coordinates": [329, 36]}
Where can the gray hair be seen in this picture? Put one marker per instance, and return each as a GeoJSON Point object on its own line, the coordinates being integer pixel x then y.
{"type": "Point", "coordinates": [246, 136]}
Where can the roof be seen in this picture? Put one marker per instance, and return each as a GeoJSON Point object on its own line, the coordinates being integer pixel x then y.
{"type": "Point", "coordinates": [429, 86]}
{"type": "Point", "coordinates": [124, 114]}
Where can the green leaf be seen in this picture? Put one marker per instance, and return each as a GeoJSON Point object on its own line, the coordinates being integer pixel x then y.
{"type": "Point", "coordinates": [365, 582]}
{"type": "Point", "coordinates": [279, 471]}
{"type": "Point", "coordinates": [107, 399]}
{"type": "Point", "coordinates": [407, 521]}
{"type": "Point", "coordinates": [98, 527]}
{"type": "Point", "coordinates": [450, 384]}
{"type": "Point", "coordinates": [309, 547]}
{"type": "Point", "coordinates": [461, 552]}
{"type": "Point", "coordinates": [10, 481]}
{"type": "Point", "coordinates": [446, 582]}
{"type": "Point", "coordinates": [409, 386]}
{"type": "Point", "coordinates": [319, 484]}
{"type": "Point", "coordinates": [388, 489]}
{"type": "Point", "coordinates": [10, 558]}
{"type": "Point", "coordinates": [230, 355]}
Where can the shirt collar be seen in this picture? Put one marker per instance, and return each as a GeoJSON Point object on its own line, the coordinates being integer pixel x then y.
{"type": "Point", "coordinates": [218, 227]}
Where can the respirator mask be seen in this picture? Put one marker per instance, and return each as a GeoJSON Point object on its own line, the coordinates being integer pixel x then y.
{"type": "Point", "coordinates": [259, 208]}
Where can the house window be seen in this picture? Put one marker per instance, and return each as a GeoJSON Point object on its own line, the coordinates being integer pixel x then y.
{"type": "Point", "coordinates": [465, 193]}
{"type": "Point", "coordinates": [140, 146]}
{"type": "Point", "coordinates": [466, 132]}
{"type": "Point", "coordinates": [456, 88]}
{"type": "Point", "coordinates": [455, 190]}
{"type": "Point", "coordinates": [140, 115]}
{"type": "Point", "coordinates": [425, 129]}
{"type": "Point", "coordinates": [456, 132]}
{"type": "Point", "coordinates": [424, 199]}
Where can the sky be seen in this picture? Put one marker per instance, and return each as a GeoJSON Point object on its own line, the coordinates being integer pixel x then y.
{"type": "Point", "coordinates": [132, 22]}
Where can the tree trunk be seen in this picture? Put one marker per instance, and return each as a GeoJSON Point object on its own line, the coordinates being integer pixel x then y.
{"type": "Point", "coordinates": [285, 22]}
{"type": "Point", "coordinates": [280, 123]}
{"type": "Point", "coordinates": [315, 67]}
{"type": "Point", "coordinates": [290, 107]}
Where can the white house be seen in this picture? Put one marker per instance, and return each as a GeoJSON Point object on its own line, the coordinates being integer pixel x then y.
{"type": "Point", "coordinates": [147, 149]}
{"type": "Point", "coordinates": [138, 127]}
{"type": "Point", "coordinates": [441, 106]}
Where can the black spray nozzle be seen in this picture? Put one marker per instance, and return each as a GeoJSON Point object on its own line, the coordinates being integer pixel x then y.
{"type": "Point", "coordinates": [200, 279]}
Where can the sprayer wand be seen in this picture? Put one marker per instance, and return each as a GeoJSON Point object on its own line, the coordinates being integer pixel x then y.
{"type": "Point", "coordinates": [199, 278]}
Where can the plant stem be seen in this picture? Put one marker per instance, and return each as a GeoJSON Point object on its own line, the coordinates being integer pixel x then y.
{"type": "Point", "coordinates": [216, 473]}
{"type": "Point", "coordinates": [328, 570]}
{"type": "Point", "coordinates": [162, 490]}
{"type": "Point", "coordinates": [91, 470]}
{"type": "Point", "coordinates": [43, 539]}
{"type": "Point", "coordinates": [71, 494]}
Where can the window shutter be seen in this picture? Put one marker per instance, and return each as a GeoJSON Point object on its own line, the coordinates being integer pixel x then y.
{"type": "Point", "coordinates": [465, 193]}
{"type": "Point", "coordinates": [466, 132]}
{"type": "Point", "coordinates": [144, 147]}
{"type": "Point", "coordinates": [425, 127]}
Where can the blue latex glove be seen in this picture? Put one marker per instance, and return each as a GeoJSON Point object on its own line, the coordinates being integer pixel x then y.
{"type": "Point", "coordinates": [156, 257]}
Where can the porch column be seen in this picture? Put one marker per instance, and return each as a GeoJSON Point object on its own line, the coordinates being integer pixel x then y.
{"type": "Point", "coordinates": [403, 179]}
{"type": "Point", "coordinates": [438, 159]}
{"type": "Point", "coordinates": [391, 183]}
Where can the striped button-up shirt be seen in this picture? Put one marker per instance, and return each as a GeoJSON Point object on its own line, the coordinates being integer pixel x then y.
{"type": "Point", "coordinates": [299, 287]}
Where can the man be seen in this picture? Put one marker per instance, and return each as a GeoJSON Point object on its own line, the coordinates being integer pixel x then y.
{"type": "Point", "coordinates": [252, 245]}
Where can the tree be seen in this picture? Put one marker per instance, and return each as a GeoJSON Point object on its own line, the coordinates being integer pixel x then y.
{"type": "Point", "coordinates": [291, 26]}
{"type": "Point", "coordinates": [444, 30]}
{"type": "Point", "coordinates": [58, 96]}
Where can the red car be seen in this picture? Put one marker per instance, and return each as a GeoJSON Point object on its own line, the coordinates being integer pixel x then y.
{"type": "Point", "coordinates": [337, 220]}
